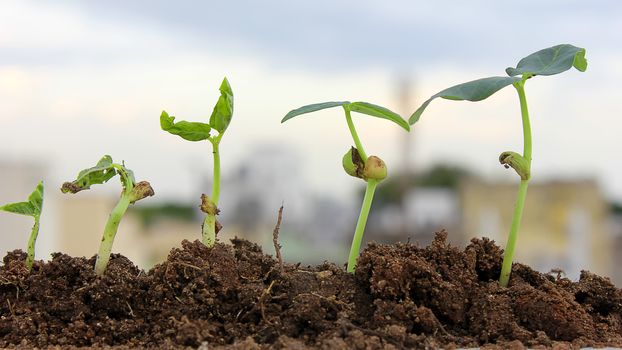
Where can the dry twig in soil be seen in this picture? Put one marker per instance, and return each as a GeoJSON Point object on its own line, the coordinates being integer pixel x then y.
{"type": "Point", "coordinates": [275, 238]}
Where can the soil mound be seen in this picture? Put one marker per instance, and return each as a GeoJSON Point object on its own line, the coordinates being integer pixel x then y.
{"type": "Point", "coordinates": [234, 296]}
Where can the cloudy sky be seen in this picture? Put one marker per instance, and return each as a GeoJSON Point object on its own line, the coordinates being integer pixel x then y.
{"type": "Point", "coordinates": [82, 79]}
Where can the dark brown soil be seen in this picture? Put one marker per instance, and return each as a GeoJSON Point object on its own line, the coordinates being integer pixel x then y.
{"type": "Point", "coordinates": [234, 296]}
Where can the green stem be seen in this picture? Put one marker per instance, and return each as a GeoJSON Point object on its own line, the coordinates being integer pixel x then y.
{"type": "Point", "coordinates": [216, 184]}
{"type": "Point", "coordinates": [209, 230]}
{"type": "Point", "coordinates": [209, 224]}
{"type": "Point", "coordinates": [31, 244]}
{"type": "Point", "coordinates": [355, 136]}
{"type": "Point", "coordinates": [110, 231]}
{"type": "Point", "coordinates": [520, 87]}
{"type": "Point", "coordinates": [360, 225]}
{"type": "Point", "coordinates": [506, 267]}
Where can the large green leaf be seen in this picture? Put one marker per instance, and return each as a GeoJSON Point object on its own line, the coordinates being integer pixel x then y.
{"type": "Point", "coordinates": [549, 61]}
{"type": "Point", "coordinates": [380, 112]}
{"type": "Point", "coordinates": [32, 207]}
{"type": "Point", "coordinates": [312, 108]}
{"type": "Point", "coordinates": [99, 174]}
{"type": "Point", "coordinates": [191, 131]}
{"type": "Point", "coordinates": [475, 90]}
{"type": "Point", "coordinates": [553, 60]}
{"type": "Point", "coordinates": [223, 110]}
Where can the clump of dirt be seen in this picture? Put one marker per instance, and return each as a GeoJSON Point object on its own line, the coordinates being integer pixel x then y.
{"type": "Point", "coordinates": [236, 297]}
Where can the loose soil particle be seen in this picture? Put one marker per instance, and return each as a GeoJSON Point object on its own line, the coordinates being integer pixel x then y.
{"type": "Point", "coordinates": [235, 297]}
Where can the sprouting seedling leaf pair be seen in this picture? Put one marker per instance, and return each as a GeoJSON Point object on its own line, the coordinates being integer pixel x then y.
{"type": "Point", "coordinates": [550, 61]}
{"type": "Point", "coordinates": [355, 162]}
{"type": "Point", "coordinates": [196, 131]}
{"type": "Point", "coordinates": [33, 208]}
{"type": "Point", "coordinates": [132, 192]}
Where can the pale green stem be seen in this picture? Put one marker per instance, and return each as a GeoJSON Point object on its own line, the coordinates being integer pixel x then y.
{"type": "Point", "coordinates": [526, 124]}
{"type": "Point", "coordinates": [360, 225]}
{"type": "Point", "coordinates": [209, 224]}
{"type": "Point", "coordinates": [506, 267]}
{"type": "Point", "coordinates": [209, 230]}
{"type": "Point", "coordinates": [110, 231]}
{"type": "Point", "coordinates": [216, 184]}
{"type": "Point", "coordinates": [31, 244]}
{"type": "Point", "coordinates": [355, 136]}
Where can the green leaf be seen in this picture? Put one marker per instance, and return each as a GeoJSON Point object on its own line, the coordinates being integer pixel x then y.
{"type": "Point", "coordinates": [31, 208]}
{"type": "Point", "coordinates": [380, 112]}
{"type": "Point", "coordinates": [223, 110]}
{"type": "Point", "coordinates": [130, 174]}
{"type": "Point", "coordinates": [312, 108]}
{"type": "Point", "coordinates": [99, 174]}
{"type": "Point", "coordinates": [23, 208]}
{"type": "Point", "coordinates": [36, 198]}
{"type": "Point", "coordinates": [551, 61]}
{"type": "Point", "coordinates": [360, 107]}
{"type": "Point", "coordinates": [191, 131]}
{"type": "Point", "coordinates": [475, 90]}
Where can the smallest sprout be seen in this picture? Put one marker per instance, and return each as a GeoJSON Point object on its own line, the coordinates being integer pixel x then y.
{"type": "Point", "coordinates": [132, 192]}
{"type": "Point", "coordinates": [31, 208]}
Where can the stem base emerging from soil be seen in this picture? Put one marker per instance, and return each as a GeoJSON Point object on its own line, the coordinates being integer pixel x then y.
{"type": "Point", "coordinates": [103, 255]}
{"type": "Point", "coordinates": [360, 225]}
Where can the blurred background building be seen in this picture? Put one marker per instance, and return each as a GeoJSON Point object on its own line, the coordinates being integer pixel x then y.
{"type": "Point", "coordinates": [82, 79]}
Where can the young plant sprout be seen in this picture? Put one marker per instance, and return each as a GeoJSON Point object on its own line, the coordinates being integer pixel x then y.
{"type": "Point", "coordinates": [550, 61]}
{"type": "Point", "coordinates": [356, 162]}
{"type": "Point", "coordinates": [132, 192]}
{"type": "Point", "coordinates": [31, 208]}
{"type": "Point", "coordinates": [195, 131]}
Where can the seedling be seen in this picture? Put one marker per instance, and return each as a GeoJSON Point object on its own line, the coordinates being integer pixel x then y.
{"type": "Point", "coordinates": [550, 61]}
{"type": "Point", "coordinates": [195, 131]}
{"type": "Point", "coordinates": [31, 208]}
{"type": "Point", "coordinates": [132, 192]}
{"type": "Point", "coordinates": [356, 162]}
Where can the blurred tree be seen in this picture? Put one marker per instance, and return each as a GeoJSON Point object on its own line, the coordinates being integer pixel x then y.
{"type": "Point", "coordinates": [391, 190]}
{"type": "Point", "coordinates": [150, 214]}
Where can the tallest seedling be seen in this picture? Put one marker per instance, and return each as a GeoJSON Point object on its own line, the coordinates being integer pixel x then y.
{"type": "Point", "coordinates": [195, 131]}
{"type": "Point", "coordinates": [550, 61]}
{"type": "Point", "coordinates": [356, 162]}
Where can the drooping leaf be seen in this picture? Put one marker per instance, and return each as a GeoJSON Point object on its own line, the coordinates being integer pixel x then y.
{"type": "Point", "coordinates": [380, 112]}
{"type": "Point", "coordinates": [475, 90]}
{"type": "Point", "coordinates": [223, 110]}
{"type": "Point", "coordinates": [31, 208]}
{"type": "Point", "coordinates": [191, 131]}
{"type": "Point", "coordinates": [99, 174]}
{"type": "Point", "coordinates": [359, 107]}
{"type": "Point", "coordinates": [550, 61]}
{"type": "Point", "coordinates": [312, 108]}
